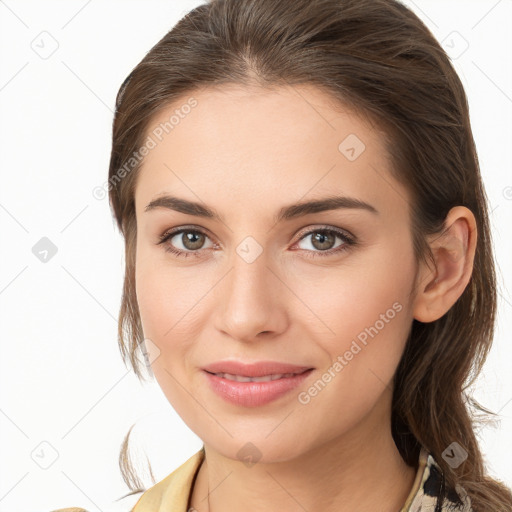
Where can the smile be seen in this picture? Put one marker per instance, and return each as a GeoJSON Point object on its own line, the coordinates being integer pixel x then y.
{"type": "Point", "coordinates": [243, 391]}
{"type": "Point", "coordinates": [265, 378]}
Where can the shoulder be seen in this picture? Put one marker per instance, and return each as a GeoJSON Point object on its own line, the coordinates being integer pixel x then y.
{"type": "Point", "coordinates": [71, 509]}
{"type": "Point", "coordinates": [431, 488]}
{"type": "Point", "coordinates": [173, 492]}
{"type": "Point", "coordinates": [124, 504]}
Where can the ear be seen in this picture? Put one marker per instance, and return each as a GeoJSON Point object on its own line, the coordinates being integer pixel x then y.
{"type": "Point", "coordinates": [438, 289]}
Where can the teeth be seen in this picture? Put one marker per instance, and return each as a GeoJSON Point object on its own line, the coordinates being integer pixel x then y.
{"type": "Point", "coordinates": [265, 378]}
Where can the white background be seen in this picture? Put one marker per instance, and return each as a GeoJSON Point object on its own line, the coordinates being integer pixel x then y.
{"type": "Point", "coordinates": [62, 378]}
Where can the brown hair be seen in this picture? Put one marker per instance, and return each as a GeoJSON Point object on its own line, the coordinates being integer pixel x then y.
{"type": "Point", "coordinates": [378, 57]}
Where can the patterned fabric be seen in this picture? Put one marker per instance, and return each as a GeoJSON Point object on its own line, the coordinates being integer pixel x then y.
{"type": "Point", "coordinates": [172, 493]}
{"type": "Point", "coordinates": [429, 488]}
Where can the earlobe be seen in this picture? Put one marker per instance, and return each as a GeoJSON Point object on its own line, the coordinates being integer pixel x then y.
{"type": "Point", "coordinates": [453, 249]}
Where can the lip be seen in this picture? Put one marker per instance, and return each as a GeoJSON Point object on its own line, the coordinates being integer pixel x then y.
{"type": "Point", "coordinates": [254, 394]}
{"type": "Point", "coordinates": [256, 369]}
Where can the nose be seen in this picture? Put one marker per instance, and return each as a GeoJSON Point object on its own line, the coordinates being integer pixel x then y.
{"type": "Point", "coordinates": [251, 300]}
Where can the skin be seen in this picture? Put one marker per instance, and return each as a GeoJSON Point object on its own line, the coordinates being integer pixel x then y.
{"type": "Point", "coordinates": [247, 152]}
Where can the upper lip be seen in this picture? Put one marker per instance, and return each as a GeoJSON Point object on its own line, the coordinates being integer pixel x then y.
{"type": "Point", "coordinates": [256, 369]}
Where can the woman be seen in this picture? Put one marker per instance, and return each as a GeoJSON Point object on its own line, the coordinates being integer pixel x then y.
{"type": "Point", "coordinates": [308, 259]}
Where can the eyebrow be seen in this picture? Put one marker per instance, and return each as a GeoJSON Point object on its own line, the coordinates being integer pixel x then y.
{"type": "Point", "coordinates": [289, 212]}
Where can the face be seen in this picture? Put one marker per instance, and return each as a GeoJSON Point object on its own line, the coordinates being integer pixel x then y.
{"type": "Point", "coordinates": [326, 287]}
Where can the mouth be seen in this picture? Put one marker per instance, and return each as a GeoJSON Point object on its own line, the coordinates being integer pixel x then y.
{"type": "Point", "coordinates": [263, 378]}
{"type": "Point", "coordinates": [269, 369]}
{"type": "Point", "coordinates": [254, 391]}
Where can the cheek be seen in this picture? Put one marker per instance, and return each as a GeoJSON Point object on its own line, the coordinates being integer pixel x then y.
{"type": "Point", "coordinates": [172, 305]}
{"type": "Point", "coordinates": [151, 298]}
{"type": "Point", "coordinates": [170, 322]}
{"type": "Point", "coordinates": [369, 316]}
{"type": "Point", "coordinates": [347, 300]}
{"type": "Point", "coordinates": [367, 310]}
{"type": "Point", "coordinates": [166, 299]}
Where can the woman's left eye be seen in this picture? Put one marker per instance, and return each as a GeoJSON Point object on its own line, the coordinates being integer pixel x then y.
{"type": "Point", "coordinates": [322, 239]}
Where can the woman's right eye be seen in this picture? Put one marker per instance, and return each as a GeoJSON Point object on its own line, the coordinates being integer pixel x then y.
{"type": "Point", "coordinates": [191, 240]}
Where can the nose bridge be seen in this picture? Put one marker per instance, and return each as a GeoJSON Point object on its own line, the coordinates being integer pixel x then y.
{"type": "Point", "coordinates": [249, 297]}
{"type": "Point", "coordinates": [248, 280]}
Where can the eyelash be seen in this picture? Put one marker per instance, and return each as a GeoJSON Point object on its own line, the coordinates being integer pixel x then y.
{"type": "Point", "coordinates": [349, 241]}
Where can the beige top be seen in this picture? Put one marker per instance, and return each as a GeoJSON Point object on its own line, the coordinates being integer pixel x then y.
{"type": "Point", "coordinates": [174, 491]}
{"type": "Point", "coordinates": [172, 494]}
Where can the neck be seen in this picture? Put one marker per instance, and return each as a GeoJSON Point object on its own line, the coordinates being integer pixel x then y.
{"type": "Point", "coordinates": [361, 470]}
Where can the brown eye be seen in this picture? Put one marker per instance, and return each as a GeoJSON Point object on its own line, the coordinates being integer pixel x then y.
{"type": "Point", "coordinates": [322, 242]}
{"type": "Point", "coordinates": [192, 240]}
{"type": "Point", "coordinates": [183, 242]}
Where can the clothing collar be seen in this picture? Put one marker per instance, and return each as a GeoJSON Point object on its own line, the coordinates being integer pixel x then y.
{"type": "Point", "coordinates": [174, 491]}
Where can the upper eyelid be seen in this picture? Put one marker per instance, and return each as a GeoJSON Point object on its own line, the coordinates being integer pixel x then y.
{"type": "Point", "coordinates": [338, 231]}
{"type": "Point", "coordinates": [176, 231]}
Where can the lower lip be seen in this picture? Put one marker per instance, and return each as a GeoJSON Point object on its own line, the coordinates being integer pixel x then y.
{"type": "Point", "coordinates": [254, 394]}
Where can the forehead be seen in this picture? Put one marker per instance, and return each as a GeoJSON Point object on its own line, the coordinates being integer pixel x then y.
{"type": "Point", "coordinates": [250, 142]}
